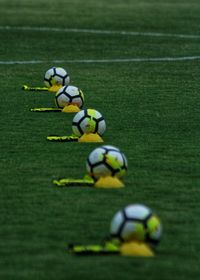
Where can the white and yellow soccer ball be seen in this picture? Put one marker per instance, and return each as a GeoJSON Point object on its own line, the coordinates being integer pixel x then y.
{"type": "Point", "coordinates": [56, 76]}
{"type": "Point", "coordinates": [136, 222]}
{"type": "Point", "coordinates": [69, 95]}
{"type": "Point", "coordinates": [88, 121]}
{"type": "Point", "coordinates": [106, 161]}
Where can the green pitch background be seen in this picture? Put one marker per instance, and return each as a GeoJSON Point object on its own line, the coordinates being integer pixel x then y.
{"type": "Point", "coordinates": [152, 114]}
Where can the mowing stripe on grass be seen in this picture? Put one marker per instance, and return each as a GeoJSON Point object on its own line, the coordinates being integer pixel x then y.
{"type": "Point", "coordinates": [117, 60]}
{"type": "Point", "coordinates": [94, 31]}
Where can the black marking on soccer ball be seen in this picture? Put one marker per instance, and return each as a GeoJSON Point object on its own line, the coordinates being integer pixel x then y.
{"type": "Point", "coordinates": [89, 163]}
{"type": "Point", "coordinates": [109, 149]}
{"type": "Point", "coordinates": [75, 96]}
{"type": "Point", "coordinates": [91, 170]}
{"type": "Point", "coordinates": [103, 161]}
{"type": "Point", "coordinates": [86, 115]}
{"type": "Point", "coordinates": [97, 123]}
{"type": "Point", "coordinates": [50, 78]}
{"type": "Point", "coordinates": [64, 91]}
{"type": "Point", "coordinates": [149, 239]}
{"type": "Point", "coordinates": [144, 221]}
{"type": "Point", "coordinates": [62, 77]}
{"type": "Point", "coordinates": [78, 126]}
{"type": "Point", "coordinates": [92, 166]}
{"type": "Point", "coordinates": [48, 81]}
{"type": "Point", "coordinates": [118, 234]}
{"type": "Point", "coordinates": [58, 75]}
{"type": "Point", "coordinates": [60, 93]}
{"type": "Point", "coordinates": [54, 71]}
{"type": "Point", "coordinates": [113, 171]}
{"type": "Point", "coordinates": [124, 166]}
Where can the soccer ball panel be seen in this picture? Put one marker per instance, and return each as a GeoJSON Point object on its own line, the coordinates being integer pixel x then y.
{"type": "Point", "coordinates": [60, 71]}
{"type": "Point", "coordinates": [101, 127]}
{"type": "Point", "coordinates": [62, 89]}
{"type": "Point", "coordinates": [115, 160]}
{"type": "Point", "coordinates": [101, 170]}
{"type": "Point", "coordinates": [56, 80]}
{"type": "Point", "coordinates": [49, 73]}
{"type": "Point", "coordinates": [116, 223]}
{"type": "Point", "coordinates": [109, 147]}
{"type": "Point", "coordinates": [133, 231]}
{"type": "Point", "coordinates": [137, 212]}
{"type": "Point", "coordinates": [76, 131]}
{"type": "Point", "coordinates": [73, 91]}
{"type": "Point", "coordinates": [94, 113]}
{"type": "Point", "coordinates": [88, 126]}
{"type": "Point", "coordinates": [77, 101]}
{"type": "Point", "coordinates": [154, 228]}
{"type": "Point", "coordinates": [66, 80]}
{"type": "Point", "coordinates": [62, 100]}
{"type": "Point", "coordinates": [96, 156]}
{"type": "Point", "coordinates": [78, 116]}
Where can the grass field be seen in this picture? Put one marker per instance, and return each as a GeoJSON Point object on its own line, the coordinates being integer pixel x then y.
{"type": "Point", "coordinates": [152, 115]}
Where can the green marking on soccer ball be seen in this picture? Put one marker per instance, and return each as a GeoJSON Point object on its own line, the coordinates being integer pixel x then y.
{"type": "Point", "coordinates": [113, 161]}
{"type": "Point", "coordinates": [82, 95]}
{"type": "Point", "coordinates": [53, 81]}
{"type": "Point", "coordinates": [139, 233]}
{"type": "Point", "coordinates": [91, 125]}
{"type": "Point", "coordinates": [100, 157]}
{"type": "Point", "coordinates": [153, 225]}
{"type": "Point", "coordinates": [92, 112]}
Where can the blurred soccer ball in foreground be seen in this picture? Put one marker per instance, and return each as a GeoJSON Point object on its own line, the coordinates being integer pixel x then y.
{"type": "Point", "coordinates": [106, 161]}
{"type": "Point", "coordinates": [69, 95]}
{"type": "Point", "coordinates": [136, 222]}
{"type": "Point", "coordinates": [56, 76]}
{"type": "Point", "coordinates": [88, 121]}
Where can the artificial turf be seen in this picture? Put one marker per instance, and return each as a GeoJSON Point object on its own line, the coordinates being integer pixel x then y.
{"type": "Point", "coordinates": [152, 115]}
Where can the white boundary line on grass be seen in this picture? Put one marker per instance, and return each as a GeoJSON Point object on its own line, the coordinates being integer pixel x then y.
{"type": "Point", "coordinates": [117, 60]}
{"type": "Point", "coordinates": [95, 31]}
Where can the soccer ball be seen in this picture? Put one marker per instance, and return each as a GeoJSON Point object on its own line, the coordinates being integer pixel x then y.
{"type": "Point", "coordinates": [88, 121]}
{"type": "Point", "coordinates": [69, 95]}
{"type": "Point", "coordinates": [106, 161]}
{"type": "Point", "coordinates": [136, 222]}
{"type": "Point", "coordinates": [56, 76]}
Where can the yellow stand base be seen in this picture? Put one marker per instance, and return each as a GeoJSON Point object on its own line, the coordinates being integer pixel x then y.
{"type": "Point", "coordinates": [71, 109]}
{"type": "Point", "coordinates": [136, 249]}
{"type": "Point", "coordinates": [90, 137]}
{"type": "Point", "coordinates": [109, 182]}
{"type": "Point", "coordinates": [54, 88]}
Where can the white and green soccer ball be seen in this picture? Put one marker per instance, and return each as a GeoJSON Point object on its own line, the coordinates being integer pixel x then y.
{"type": "Point", "coordinates": [88, 121]}
{"type": "Point", "coordinates": [106, 161]}
{"type": "Point", "coordinates": [56, 76]}
{"type": "Point", "coordinates": [69, 95]}
{"type": "Point", "coordinates": [136, 222]}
